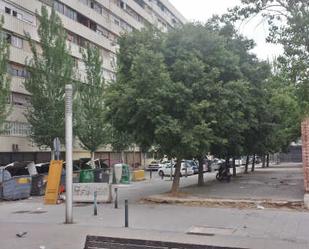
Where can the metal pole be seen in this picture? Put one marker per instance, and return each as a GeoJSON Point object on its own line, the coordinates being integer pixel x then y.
{"type": "Point", "coordinates": [95, 210]}
{"type": "Point", "coordinates": [116, 197]}
{"type": "Point", "coordinates": [68, 154]}
{"type": "Point", "coordinates": [126, 213]}
{"type": "Point", "coordinates": [150, 174]}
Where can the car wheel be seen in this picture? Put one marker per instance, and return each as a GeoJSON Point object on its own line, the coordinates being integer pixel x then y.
{"type": "Point", "coordinates": [161, 174]}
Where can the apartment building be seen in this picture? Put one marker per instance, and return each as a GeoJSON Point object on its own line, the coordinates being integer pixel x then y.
{"type": "Point", "coordinates": [98, 22]}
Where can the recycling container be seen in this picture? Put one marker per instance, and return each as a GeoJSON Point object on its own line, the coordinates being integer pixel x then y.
{"type": "Point", "coordinates": [86, 175]}
{"type": "Point", "coordinates": [101, 175]}
{"type": "Point", "coordinates": [125, 178]}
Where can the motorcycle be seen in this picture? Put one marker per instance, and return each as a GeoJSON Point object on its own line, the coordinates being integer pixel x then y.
{"type": "Point", "coordinates": [224, 173]}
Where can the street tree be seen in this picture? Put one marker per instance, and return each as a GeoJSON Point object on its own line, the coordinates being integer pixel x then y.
{"type": "Point", "coordinates": [120, 141]}
{"type": "Point", "coordinates": [4, 78]}
{"type": "Point", "coordinates": [288, 25]}
{"type": "Point", "coordinates": [50, 69]}
{"type": "Point", "coordinates": [91, 128]}
{"type": "Point", "coordinates": [148, 104]}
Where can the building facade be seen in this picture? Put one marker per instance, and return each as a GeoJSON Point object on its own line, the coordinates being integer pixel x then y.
{"type": "Point", "coordinates": [98, 22]}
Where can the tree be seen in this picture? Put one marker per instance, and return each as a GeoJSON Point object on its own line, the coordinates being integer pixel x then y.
{"type": "Point", "coordinates": [50, 69]}
{"type": "Point", "coordinates": [148, 104]}
{"type": "Point", "coordinates": [4, 78]}
{"type": "Point", "coordinates": [288, 25]}
{"type": "Point", "coordinates": [120, 141]}
{"type": "Point", "coordinates": [91, 128]}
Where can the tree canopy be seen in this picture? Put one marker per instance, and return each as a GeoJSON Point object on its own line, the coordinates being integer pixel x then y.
{"type": "Point", "coordinates": [50, 69]}
{"type": "Point", "coordinates": [4, 78]}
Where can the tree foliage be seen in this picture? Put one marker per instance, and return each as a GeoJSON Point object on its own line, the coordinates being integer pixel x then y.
{"type": "Point", "coordinates": [288, 25]}
{"type": "Point", "coordinates": [50, 68]}
{"type": "Point", "coordinates": [4, 78]}
{"type": "Point", "coordinates": [91, 128]}
{"type": "Point", "coordinates": [199, 89]}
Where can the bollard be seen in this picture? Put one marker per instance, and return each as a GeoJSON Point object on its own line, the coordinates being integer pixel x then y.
{"type": "Point", "coordinates": [126, 213]}
{"type": "Point", "coordinates": [95, 211]}
{"type": "Point", "coordinates": [116, 197]}
{"type": "Point", "coordinates": [186, 170]}
{"type": "Point", "coordinates": [150, 174]}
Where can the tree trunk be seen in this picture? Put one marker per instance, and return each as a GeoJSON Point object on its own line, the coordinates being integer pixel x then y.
{"type": "Point", "coordinates": [122, 157]}
{"type": "Point", "coordinates": [200, 172]}
{"type": "Point", "coordinates": [247, 164]}
{"type": "Point", "coordinates": [234, 167]}
{"type": "Point", "coordinates": [92, 160]}
{"type": "Point", "coordinates": [263, 161]}
{"type": "Point", "coordinates": [253, 164]}
{"type": "Point", "coordinates": [175, 185]}
{"type": "Point", "coordinates": [52, 155]}
{"type": "Point", "coordinates": [267, 160]}
{"type": "Point", "coordinates": [133, 157]}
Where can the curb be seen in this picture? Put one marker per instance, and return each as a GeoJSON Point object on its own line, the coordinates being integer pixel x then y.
{"type": "Point", "coordinates": [225, 203]}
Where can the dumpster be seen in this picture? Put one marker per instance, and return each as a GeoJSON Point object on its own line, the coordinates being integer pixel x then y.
{"type": "Point", "coordinates": [17, 187]}
{"type": "Point", "coordinates": [86, 175]}
{"type": "Point", "coordinates": [76, 176]}
{"type": "Point", "coordinates": [101, 175]}
{"type": "Point", "coordinates": [125, 177]}
{"type": "Point", "coordinates": [38, 185]}
{"type": "Point", "coordinates": [4, 176]}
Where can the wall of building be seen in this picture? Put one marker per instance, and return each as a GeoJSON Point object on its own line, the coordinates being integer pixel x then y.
{"type": "Point", "coordinates": [305, 152]}
{"type": "Point", "coordinates": [108, 18]}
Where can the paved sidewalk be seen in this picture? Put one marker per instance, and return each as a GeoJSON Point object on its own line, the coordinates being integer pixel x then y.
{"type": "Point", "coordinates": [278, 182]}
{"type": "Point", "coordinates": [257, 229]}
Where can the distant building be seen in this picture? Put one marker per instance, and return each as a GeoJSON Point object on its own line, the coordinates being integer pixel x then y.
{"type": "Point", "coordinates": [98, 22]}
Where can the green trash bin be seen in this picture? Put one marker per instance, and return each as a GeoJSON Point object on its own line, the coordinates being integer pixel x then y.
{"type": "Point", "coordinates": [125, 178]}
{"type": "Point", "coordinates": [86, 175]}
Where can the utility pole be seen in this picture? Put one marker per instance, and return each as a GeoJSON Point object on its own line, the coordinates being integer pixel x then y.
{"type": "Point", "coordinates": [68, 154]}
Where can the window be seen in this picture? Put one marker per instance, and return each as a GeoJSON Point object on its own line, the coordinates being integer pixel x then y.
{"type": "Point", "coordinates": [8, 10]}
{"type": "Point", "coordinates": [17, 70]}
{"type": "Point", "coordinates": [15, 41]}
{"type": "Point", "coordinates": [17, 129]}
{"type": "Point", "coordinates": [19, 99]}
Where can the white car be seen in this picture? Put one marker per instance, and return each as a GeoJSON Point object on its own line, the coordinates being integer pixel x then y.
{"type": "Point", "coordinates": [165, 170]}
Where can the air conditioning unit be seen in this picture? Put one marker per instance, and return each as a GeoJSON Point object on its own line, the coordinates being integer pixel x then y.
{"type": "Point", "coordinates": [15, 147]}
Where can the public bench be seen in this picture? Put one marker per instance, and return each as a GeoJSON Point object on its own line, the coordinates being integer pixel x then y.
{"type": "Point", "coordinates": [96, 242]}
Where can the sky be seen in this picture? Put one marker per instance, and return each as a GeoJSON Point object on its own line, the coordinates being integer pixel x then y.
{"type": "Point", "coordinates": [201, 10]}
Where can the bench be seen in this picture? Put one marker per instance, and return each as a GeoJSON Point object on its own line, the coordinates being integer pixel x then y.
{"type": "Point", "coordinates": [96, 242]}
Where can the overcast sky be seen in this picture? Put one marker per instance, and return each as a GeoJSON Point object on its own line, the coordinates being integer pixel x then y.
{"type": "Point", "coordinates": [201, 10]}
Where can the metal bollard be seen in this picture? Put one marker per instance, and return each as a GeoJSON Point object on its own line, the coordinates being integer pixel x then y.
{"type": "Point", "coordinates": [150, 174]}
{"type": "Point", "coordinates": [116, 197]}
{"type": "Point", "coordinates": [126, 213]}
{"type": "Point", "coordinates": [95, 210]}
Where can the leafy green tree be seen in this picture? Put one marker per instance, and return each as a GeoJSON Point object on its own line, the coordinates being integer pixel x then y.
{"type": "Point", "coordinates": [91, 128]}
{"type": "Point", "coordinates": [146, 103]}
{"type": "Point", "coordinates": [120, 141]}
{"type": "Point", "coordinates": [288, 25]}
{"type": "Point", "coordinates": [4, 78]}
{"type": "Point", "coordinates": [50, 69]}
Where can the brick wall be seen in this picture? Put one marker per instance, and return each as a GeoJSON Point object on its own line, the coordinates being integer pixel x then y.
{"type": "Point", "coordinates": [305, 151]}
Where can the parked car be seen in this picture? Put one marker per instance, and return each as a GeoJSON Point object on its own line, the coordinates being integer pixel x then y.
{"type": "Point", "coordinates": [193, 164]}
{"type": "Point", "coordinates": [153, 165]}
{"type": "Point", "coordinates": [165, 170]}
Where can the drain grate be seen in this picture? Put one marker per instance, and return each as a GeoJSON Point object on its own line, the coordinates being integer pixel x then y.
{"type": "Point", "coordinates": [21, 212]}
{"type": "Point", "coordinates": [210, 231]}
{"type": "Point", "coordinates": [38, 212]}
{"type": "Point", "coordinates": [29, 212]}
